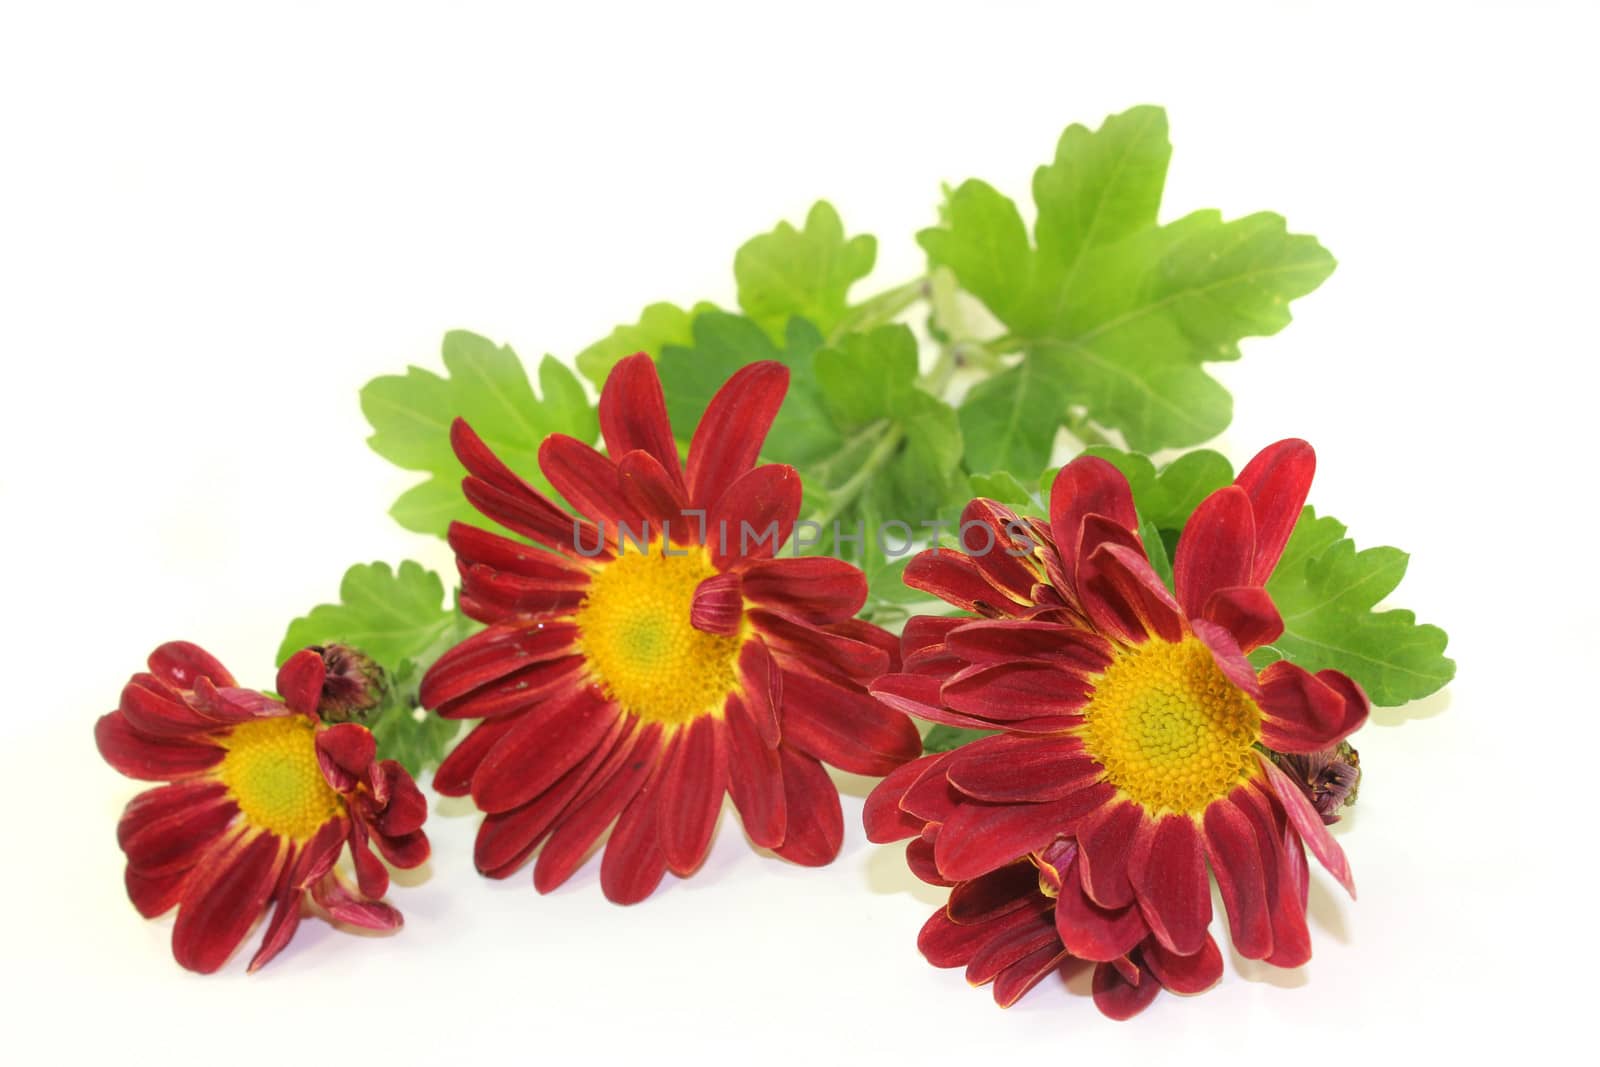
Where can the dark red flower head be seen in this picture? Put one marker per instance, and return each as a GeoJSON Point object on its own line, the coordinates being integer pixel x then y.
{"type": "Point", "coordinates": [262, 799]}
{"type": "Point", "coordinates": [655, 653]}
{"type": "Point", "coordinates": [1131, 721]}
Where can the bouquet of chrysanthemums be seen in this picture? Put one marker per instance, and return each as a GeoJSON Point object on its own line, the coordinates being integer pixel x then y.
{"type": "Point", "coordinates": [956, 535]}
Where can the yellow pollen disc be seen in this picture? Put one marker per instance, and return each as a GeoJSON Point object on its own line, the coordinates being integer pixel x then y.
{"type": "Point", "coordinates": [271, 770]}
{"type": "Point", "coordinates": [634, 631]}
{"type": "Point", "coordinates": [1171, 731]}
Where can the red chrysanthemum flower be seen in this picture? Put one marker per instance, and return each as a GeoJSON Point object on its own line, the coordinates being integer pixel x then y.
{"type": "Point", "coordinates": [1132, 721]}
{"type": "Point", "coordinates": [656, 654]}
{"type": "Point", "coordinates": [261, 800]}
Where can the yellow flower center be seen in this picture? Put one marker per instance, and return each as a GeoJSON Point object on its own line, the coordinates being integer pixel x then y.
{"type": "Point", "coordinates": [634, 631]}
{"type": "Point", "coordinates": [1172, 732]}
{"type": "Point", "coordinates": [271, 770]}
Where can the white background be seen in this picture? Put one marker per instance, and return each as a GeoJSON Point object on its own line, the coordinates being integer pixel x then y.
{"type": "Point", "coordinates": [215, 227]}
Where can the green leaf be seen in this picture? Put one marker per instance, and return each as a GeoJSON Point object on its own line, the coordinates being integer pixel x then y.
{"type": "Point", "coordinates": [869, 380]}
{"type": "Point", "coordinates": [659, 325]}
{"type": "Point", "coordinates": [722, 343]}
{"type": "Point", "coordinates": [1009, 421]}
{"type": "Point", "coordinates": [417, 739]}
{"type": "Point", "coordinates": [805, 273]}
{"type": "Point", "coordinates": [485, 384]}
{"type": "Point", "coordinates": [1114, 314]}
{"type": "Point", "coordinates": [1004, 488]}
{"type": "Point", "coordinates": [942, 738]}
{"type": "Point", "coordinates": [390, 615]}
{"type": "Point", "coordinates": [400, 619]}
{"type": "Point", "coordinates": [1327, 591]}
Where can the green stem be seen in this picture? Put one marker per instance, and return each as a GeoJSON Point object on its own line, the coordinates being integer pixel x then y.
{"type": "Point", "coordinates": [1079, 426]}
{"type": "Point", "coordinates": [892, 434]}
{"type": "Point", "coordinates": [882, 308]}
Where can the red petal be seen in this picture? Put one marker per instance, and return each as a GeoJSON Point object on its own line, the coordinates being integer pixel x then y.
{"type": "Point", "coordinates": [1277, 481]}
{"type": "Point", "coordinates": [633, 414]}
{"type": "Point", "coordinates": [155, 895]}
{"type": "Point", "coordinates": [500, 494]}
{"type": "Point", "coordinates": [223, 899]}
{"type": "Point", "coordinates": [718, 605]}
{"type": "Point", "coordinates": [1291, 938]}
{"type": "Point", "coordinates": [1303, 712]}
{"type": "Point", "coordinates": [137, 756]}
{"type": "Point", "coordinates": [1116, 998]}
{"type": "Point", "coordinates": [958, 580]}
{"type": "Point", "coordinates": [1008, 768]}
{"type": "Point", "coordinates": [586, 479]}
{"type": "Point", "coordinates": [1235, 855]}
{"type": "Point", "coordinates": [949, 944]}
{"type": "Point", "coordinates": [526, 691]}
{"type": "Point", "coordinates": [494, 653]}
{"type": "Point", "coordinates": [285, 917]}
{"type": "Point", "coordinates": [1120, 575]}
{"type": "Point", "coordinates": [761, 688]}
{"type": "Point", "coordinates": [171, 829]}
{"type": "Point", "coordinates": [1167, 869]}
{"type": "Point", "coordinates": [300, 681]}
{"type": "Point", "coordinates": [317, 856]}
{"type": "Point", "coordinates": [1187, 975]}
{"type": "Point", "coordinates": [371, 875]}
{"type": "Point", "coordinates": [1012, 938]}
{"type": "Point", "coordinates": [506, 839]}
{"type": "Point", "coordinates": [542, 746]}
{"type": "Point", "coordinates": [814, 589]}
{"type": "Point", "coordinates": [1089, 931]}
{"type": "Point", "coordinates": [816, 821]}
{"type": "Point", "coordinates": [1009, 640]}
{"type": "Point", "coordinates": [731, 432]}
{"type": "Point", "coordinates": [657, 495]}
{"type": "Point", "coordinates": [1011, 983]}
{"type": "Point", "coordinates": [931, 798]}
{"type": "Point", "coordinates": [405, 851]}
{"type": "Point", "coordinates": [844, 726]}
{"type": "Point", "coordinates": [992, 895]}
{"type": "Point", "coordinates": [1215, 550]}
{"type": "Point", "coordinates": [158, 711]}
{"type": "Point", "coordinates": [406, 809]}
{"type": "Point", "coordinates": [1105, 846]}
{"type": "Point", "coordinates": [1228, 656]}
{"type": "Point", "coordinates": [1309, 825]}
{"type": "Point", "coordinates": [510, 557]}
{"type": "Point", "coordinates": [837, 651]}
{"type": "Point", "coordinates": [919, 858]}
{"type": "Point", "coordinates": [755, 778]}
{"type": "Point", "coordinates": [925, 635]}
{"type": "Point", "coordinates": [977, 837]}
{"type": "Point", "coordinates": [754, 516]}
{"type": "Point", "coordinates": [633, 863]}
{"type": "Point", "coordinates": [180, 664]}
{"type": "Point", "coordinates": [692, 784]}
{"type": "Point", "coordinates": [343, 906]}
{"type": "Point", "coordinates": [345, 753]}
{"type": "Point", "coordinates": [454, 776]}
{"type": "Point", "coordinates": [1246, 612]}
{"type": "Point", "coordinates": [1087, 486]}
{"type": "Point", "coordinates": [884, 818]}
{"type": "Point", "coordinates": [613, 786]}
{"type": "Point", "coordinates": [1007, 692]}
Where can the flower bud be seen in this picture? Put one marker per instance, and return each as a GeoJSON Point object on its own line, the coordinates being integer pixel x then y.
{"type": "Point", "coordinates": [1330, 777]}
{"type": "Point", "coordinates": [355, 685]}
